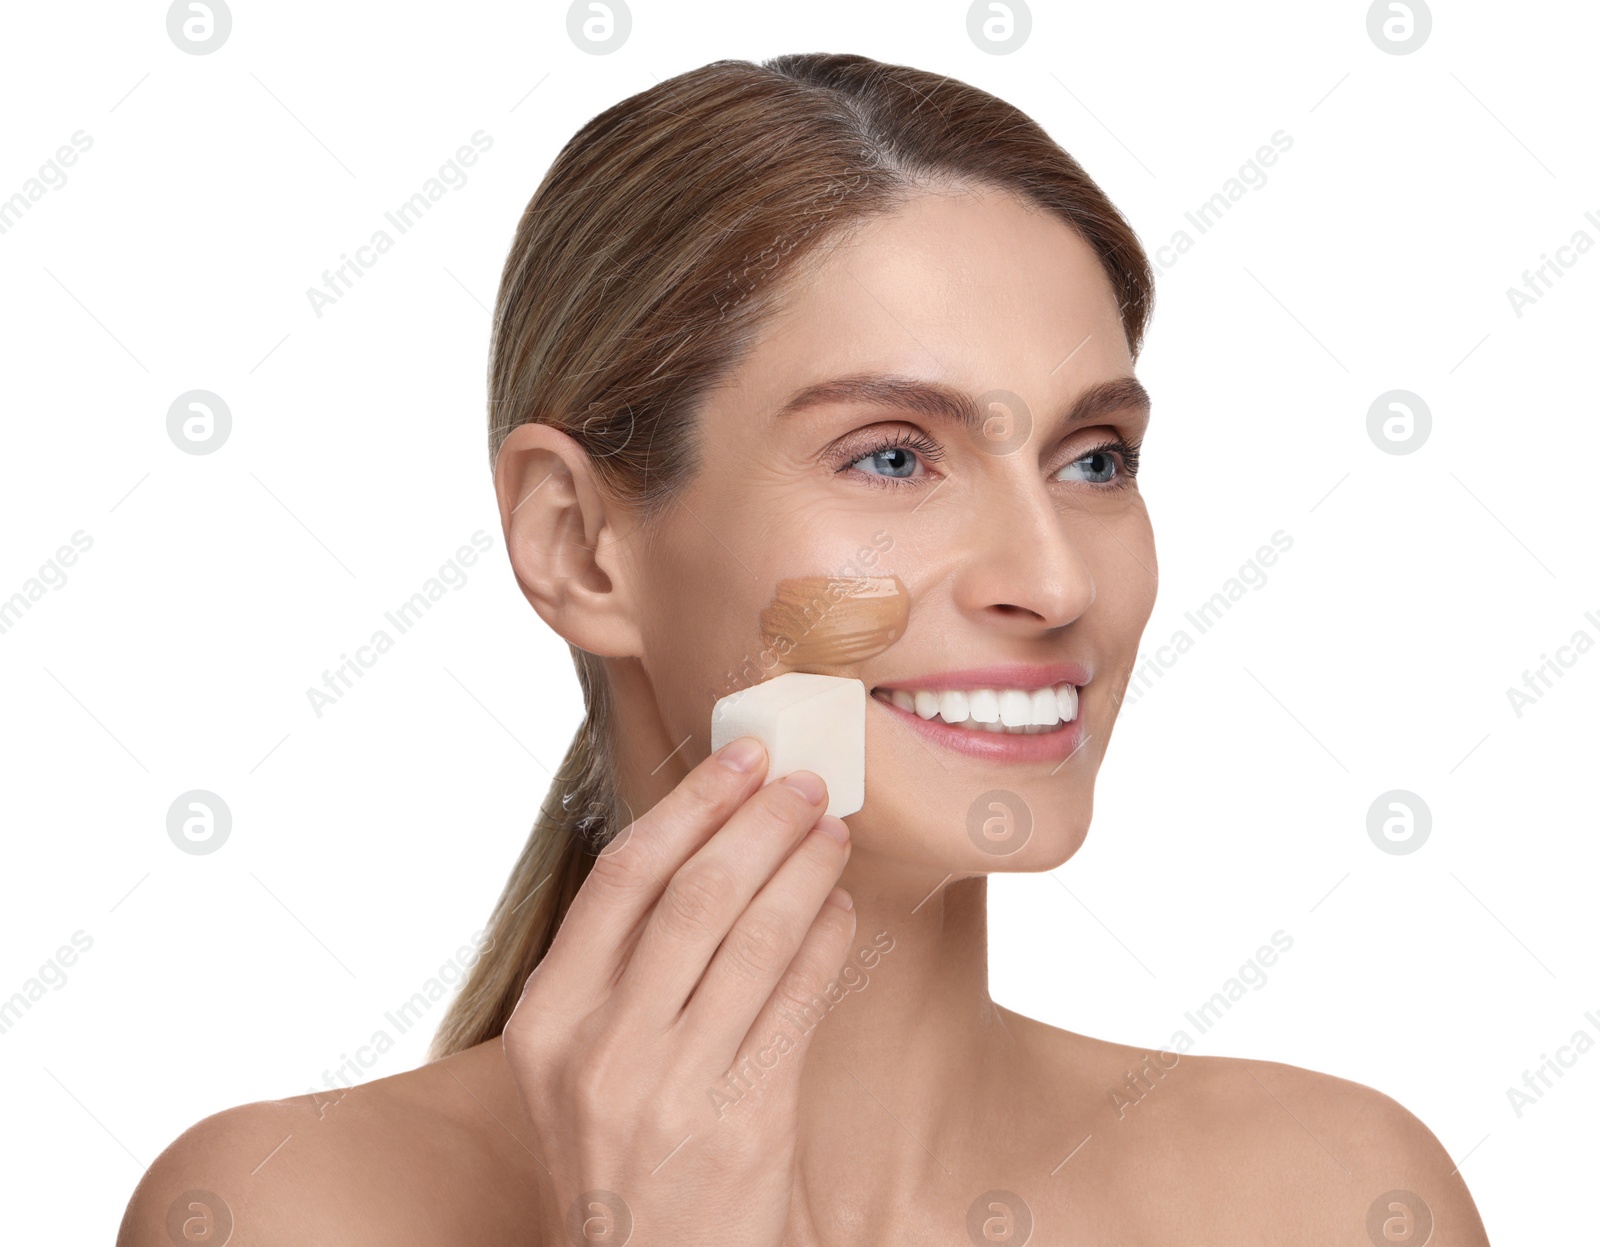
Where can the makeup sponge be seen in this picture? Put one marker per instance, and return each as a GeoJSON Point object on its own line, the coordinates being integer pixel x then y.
{"type": "Point", "coordinates": [808, 723]}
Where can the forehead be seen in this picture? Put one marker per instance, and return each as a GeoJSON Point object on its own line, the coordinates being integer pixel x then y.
{"type": "Point", "coordinates": [968, 286]}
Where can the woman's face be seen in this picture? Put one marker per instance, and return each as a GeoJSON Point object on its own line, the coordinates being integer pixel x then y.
{"type": "Point", "coordinates": [1020, 537]}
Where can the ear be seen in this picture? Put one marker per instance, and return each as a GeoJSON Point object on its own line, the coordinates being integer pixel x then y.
{"type": "Point", "coordinates": [566, 537]}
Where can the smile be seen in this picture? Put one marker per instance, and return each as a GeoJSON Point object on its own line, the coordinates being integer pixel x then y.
{"type": "Point", "coordinates": [1013, 711]}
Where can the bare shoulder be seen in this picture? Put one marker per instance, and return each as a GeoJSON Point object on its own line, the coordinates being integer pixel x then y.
{"type": "Point", "coordinates": [1261, 1147]}
{"type": "Point", "coordinates": [1350, 1154]}
{"type": "Point", "coordinates": [432, 1155]}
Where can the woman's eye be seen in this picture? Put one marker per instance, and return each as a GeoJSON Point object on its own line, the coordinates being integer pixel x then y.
{"type": "Point", "coordinates": [1098, 467]}
{"type": "Point", "coordinates": [892, 461]}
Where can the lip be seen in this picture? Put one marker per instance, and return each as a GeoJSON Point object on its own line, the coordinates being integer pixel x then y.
{"type": "Point", "coordinates": [1001, 675]}
{"type": "Point", "coordinates": [994, 747]}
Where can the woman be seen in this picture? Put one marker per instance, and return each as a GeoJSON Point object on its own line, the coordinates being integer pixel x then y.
{"type": "Point", "coordinates": [815, 321]}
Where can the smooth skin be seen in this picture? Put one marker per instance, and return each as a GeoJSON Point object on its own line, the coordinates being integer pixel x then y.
{"type": "Point", "coordinates": [917, 1094]}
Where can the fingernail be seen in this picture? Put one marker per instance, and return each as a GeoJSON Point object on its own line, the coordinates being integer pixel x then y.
{"type": "Point", "coordinates": [808, 786]}
{"type": "Point", "coordinates": [841, 898]}
{"type": "Point", "coordinates": [742, 754]}
{"type": "Point", "coordinates": [834, 826]}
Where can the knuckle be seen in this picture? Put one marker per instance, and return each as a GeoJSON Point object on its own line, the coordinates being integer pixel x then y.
{"type": "Point", "coordinates": [622, 871]}
{"type": "Point", "coordinates": [798, 994]}
{"type": "Point", "coordinates": [782, 808]}
{"type": "Point", "coordinates": [695, 897]}
{"type": "Point", "coordinates": [823, 863]}
{"type": "Point", "coordinates": [757, 947]}
{"type": "Point", "coordinates": [702, 794]}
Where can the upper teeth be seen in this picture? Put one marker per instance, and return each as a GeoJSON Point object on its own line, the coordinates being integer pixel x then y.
{"type": "Point", "coordinates": [993, 709]}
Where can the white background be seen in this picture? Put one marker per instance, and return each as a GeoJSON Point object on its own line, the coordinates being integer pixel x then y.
{"type": "Point", "coordinates": [369, 844]}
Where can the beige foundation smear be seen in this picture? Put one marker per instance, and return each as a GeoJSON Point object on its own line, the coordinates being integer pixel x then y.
{"type": "Point", "coordinates": [825, 620]}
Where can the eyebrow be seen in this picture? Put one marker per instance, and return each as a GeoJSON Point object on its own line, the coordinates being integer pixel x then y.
{"type": "Point", "coordinates": [943, 402]}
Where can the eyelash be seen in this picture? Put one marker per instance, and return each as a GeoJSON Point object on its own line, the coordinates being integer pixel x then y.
{"type": "Point", "coordinates": [915, 440]}
{"type": "Point", "coordinates": [1127, 459]}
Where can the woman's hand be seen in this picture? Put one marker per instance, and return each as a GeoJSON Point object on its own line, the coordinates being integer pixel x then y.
{"type": "Point", "coordinates": [648, 1044]}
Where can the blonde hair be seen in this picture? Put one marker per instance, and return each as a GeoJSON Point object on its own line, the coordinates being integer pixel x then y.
{"type": "Point", "coordinates": [646, 259]}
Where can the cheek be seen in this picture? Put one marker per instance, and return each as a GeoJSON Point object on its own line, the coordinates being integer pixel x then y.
{"type": "Point", "coordinates": [831, 620]}
{"type": "Point", "coordinates": [703, 645]}
{"type": "Point", "coordinates": [698, 617]}
{"type": "Point", "coordinates": [707, 634]}
{"type": "Point", "coordinates": [1127, 572]}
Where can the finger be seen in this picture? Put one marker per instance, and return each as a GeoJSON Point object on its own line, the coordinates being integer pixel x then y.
{"type": "Point", "coordinates": [771, 1055]}
{"type": "Point", "coordinates": [595, 938]}
{"type": "Point", "coordinates": [709, 892]}
{"type": "Point", "coordinates": [764, 942]}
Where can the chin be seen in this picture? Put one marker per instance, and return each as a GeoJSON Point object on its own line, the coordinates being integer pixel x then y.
{"type": "Point", "coordinates": [1052, 842]}
{"type": "Point", "coordinates": [995, 831]}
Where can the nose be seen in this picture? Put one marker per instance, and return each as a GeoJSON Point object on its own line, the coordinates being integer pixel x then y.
{"type": "Point", "coordinates": [1024, 567]}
